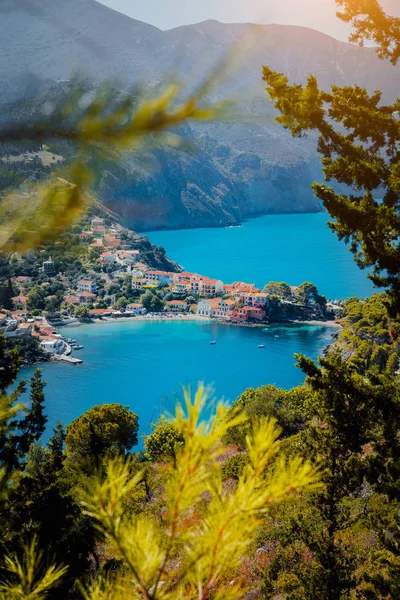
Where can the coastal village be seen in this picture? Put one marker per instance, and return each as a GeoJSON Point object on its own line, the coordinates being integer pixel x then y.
{"type": "Point", "coordinates": [120, 283]}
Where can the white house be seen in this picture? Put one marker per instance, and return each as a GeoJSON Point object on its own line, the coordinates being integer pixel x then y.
{"type": "Point", "coordinates": [53, 346]}
{"type": "Point", "coordinates": [87, 285]}
{"type": "Point", "coordinates": [211, 287]}
{"type": "Point", "coordinates": [136, 309]}
{"type": "Point", "coordinates": [159, 277]}
{"type": "Point", "coordinates": [204, 308]}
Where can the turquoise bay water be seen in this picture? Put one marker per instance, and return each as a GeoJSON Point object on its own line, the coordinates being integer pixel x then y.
{"type": "Point", "coordinates": [291, 248]}
{"type": "Point", "coordinates": [134, 363]}
{"type": "Point", "coordinates": [137, 363]}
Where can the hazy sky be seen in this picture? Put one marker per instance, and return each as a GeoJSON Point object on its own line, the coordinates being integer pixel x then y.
{"type": "Point", "coordinates": [319, 14]}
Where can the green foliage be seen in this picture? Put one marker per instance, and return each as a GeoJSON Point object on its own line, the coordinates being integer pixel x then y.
{"type": "Point", "coordinates": [370, 22]}
{"type": "Point", "coordinates": [81, 312]}
{"type": "Point", "coordinates": [192, 556]}
{"type": "Point", "coordinates": [6, 293]}
{"type": "Point", "coordinates": [288, 408]}
{"type": "Point", "coordinates": [164, 441]}
{"type": "Point", "coordinates": [109, 429]}
{"type": "Point", "coordinates": [370, 336]}
{"type": "Point", "coordinates": [151, 302]}
{"type": "Point", "coordinates": [358, 141]}
{"type": "Point", "coordinates": [101, 129]}
{"type": "Point", "coordinates": [29, 578]}
{"type": "Point", "coordinates": [279, 289]}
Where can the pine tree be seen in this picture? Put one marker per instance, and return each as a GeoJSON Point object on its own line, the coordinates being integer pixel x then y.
{"type": "Point", "coordinates": [33, 425]}
{"type": "Point", "coordinates": [359, 143]}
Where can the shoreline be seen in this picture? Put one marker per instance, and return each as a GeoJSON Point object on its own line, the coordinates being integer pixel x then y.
{"type": "Point", "coordinates": [198, 318]}
{"type": "Point", "coordinates": [139, 318]}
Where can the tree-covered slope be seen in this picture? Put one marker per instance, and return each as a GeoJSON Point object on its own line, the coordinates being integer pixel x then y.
{"type": "Point", "coordinates": [228, 170]}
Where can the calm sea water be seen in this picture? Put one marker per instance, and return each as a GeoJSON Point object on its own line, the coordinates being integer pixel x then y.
{"type": "Point", "coordinates": [291, 248]}
{"type": "Point", "coordinates": [144, 364]}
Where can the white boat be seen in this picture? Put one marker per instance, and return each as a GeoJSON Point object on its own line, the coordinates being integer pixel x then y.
{"type": "Point", "coordinates": [261, 345]}
{"type": "Point", "coordinates": [212, 343]}
{"type": "Point", "coordinates": [78, 347]}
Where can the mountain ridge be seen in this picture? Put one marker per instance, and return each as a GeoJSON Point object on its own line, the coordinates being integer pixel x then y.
{"type": "Point", "coordinates": [240, 167]}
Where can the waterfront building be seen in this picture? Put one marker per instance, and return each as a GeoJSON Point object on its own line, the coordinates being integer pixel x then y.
{"type": "Point", "coordinates": [52, 345]}
{"type": "Point", "coordinates": [136, 309]}
{"type": "Point", "coordinates": [176, 306]}
{"type": "Point", "coordinates": [204, 308]}
{"type": "Point", "coordinates": [245, 313]}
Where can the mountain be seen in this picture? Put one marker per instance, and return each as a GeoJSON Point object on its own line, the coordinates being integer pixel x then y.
{"type": "Point", "coordinates": [226, 171]}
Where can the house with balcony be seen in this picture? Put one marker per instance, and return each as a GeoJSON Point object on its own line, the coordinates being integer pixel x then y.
{"type": "Point", "coordinates": [184, 277]}
{"type": "Point", "coordinates": [204, 308]}
{"type": "Point", "coordinates": [52, 345]}
{"type": "Point", "coordinates": [211, 287]}
{"type": "Point", "coordinates": [135, 309]}
{"type": "Point", "coordinates": [87, 285]}
{"type": "Point", "coordinates": [257, 299]}
{"type": "Point", "coordinates": [138, 283]}
{"type": "Point", "coordinates": [176, 306]}
{"type": "Point", "coordinates": [181, 288]}
{"type": "Point", "coordinates": [159, 277]}
{"type": "Point", "coordinates": [195, 284]}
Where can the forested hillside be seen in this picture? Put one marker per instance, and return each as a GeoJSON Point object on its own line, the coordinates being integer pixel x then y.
{"type": "Point", "coordinates": [220, 176]}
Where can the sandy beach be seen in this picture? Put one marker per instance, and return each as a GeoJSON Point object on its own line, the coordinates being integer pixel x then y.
{"type": "Point", "coordinates": [150, 317]}
{"type": "Point", "coordinates": [190, 317]}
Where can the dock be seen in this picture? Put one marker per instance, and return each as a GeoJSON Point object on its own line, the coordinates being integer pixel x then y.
{"type": "Point", "coordinates": [68, 359]}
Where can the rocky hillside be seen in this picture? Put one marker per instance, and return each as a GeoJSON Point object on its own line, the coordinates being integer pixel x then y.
{"type": "Point", "coordinates": [226, 171]}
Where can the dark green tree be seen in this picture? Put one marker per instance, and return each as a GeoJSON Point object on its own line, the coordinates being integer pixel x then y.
{"type": "Point", "coordinates": [33, 425]}
{"type": "Point", "coordinates": [359, 143]}
{"type": "Point", "coordinates": [163, 442]}
{"type": "Point", "coordinates": [280, 289]}
{"type": "Point", "coordinates": [106, 429]}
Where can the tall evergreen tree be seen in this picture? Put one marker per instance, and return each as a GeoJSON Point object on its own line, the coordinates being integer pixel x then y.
{"type": "Point", "coordinates": [359, 143]}
{"type": "Point", "coordinates": [33, 425]}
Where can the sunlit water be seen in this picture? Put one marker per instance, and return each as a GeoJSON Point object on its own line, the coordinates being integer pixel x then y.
{"type": "Point", "coordinates": [144, 364]}
{"type": "Point", "coordinates": [291, 248]}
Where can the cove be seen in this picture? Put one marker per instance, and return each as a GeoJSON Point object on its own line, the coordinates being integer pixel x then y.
{"type": "Point", "coordinates": [290, 248]}
{"type": "Point", "coordinates": [144, 364]}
